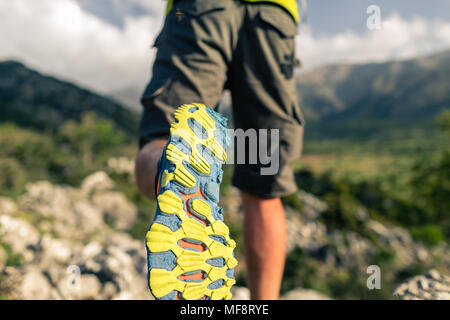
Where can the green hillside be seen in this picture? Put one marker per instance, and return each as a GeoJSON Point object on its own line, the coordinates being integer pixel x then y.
{"type": "Point", "coordinates": [30, 99]}
{"type": "Point", "coordinates": [353, 100]}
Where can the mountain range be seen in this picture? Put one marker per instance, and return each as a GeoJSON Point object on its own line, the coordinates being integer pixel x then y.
{"type": "Point", "coordinates": [336, 99]}
{"type": "Point", "coordinates": [399, 93]}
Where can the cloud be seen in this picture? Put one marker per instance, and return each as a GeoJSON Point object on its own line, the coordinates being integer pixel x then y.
{"type": "Point", "coordinates": [61, 38]}
{"type": "Point", "coordinates": [398, 39]}
{"type": "Point", "coordinates": [58, 37]}
{"type": "Point", "coordinates": [115, 11]}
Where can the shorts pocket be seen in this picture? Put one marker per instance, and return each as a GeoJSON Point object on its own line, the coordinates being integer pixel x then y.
{"type": "Point", "coordinates": [278, 20]}
{"type": "Point", "coordinates": [279, 30]}
{"type": "Point", "coordinates": [155, 88]}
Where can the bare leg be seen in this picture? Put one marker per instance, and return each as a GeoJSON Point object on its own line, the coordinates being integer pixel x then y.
{"type": "Point", "coordinates": [147, 166]}
{"type": "Point", "coordinates": [265, 245]}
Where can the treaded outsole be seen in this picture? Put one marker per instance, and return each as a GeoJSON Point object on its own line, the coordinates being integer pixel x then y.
{"type": "Point", "coordinates": [201, 243]}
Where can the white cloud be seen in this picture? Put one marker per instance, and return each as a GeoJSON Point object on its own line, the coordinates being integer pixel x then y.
{"type": "Point", "coordinates": [59, 38]}
{"type": "Point", "coordinates": [398, 39]}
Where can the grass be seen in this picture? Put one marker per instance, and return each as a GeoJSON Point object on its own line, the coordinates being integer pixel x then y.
{"type": "Point", "coordinates": [385, 157]}
{"type": "Point", "coordinates": [13, 259]}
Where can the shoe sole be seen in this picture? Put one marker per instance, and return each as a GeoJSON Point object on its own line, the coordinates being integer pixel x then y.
{"type": "Point", "coordinates": [190, 252]}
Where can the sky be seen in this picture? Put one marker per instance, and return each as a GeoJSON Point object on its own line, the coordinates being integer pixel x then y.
{"type": "Point", "coordinates": [105, 45]}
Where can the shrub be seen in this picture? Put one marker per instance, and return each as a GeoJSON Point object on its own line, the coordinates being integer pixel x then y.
{"type": "Point", "coordinates": [430, 234]}
{"type": "Point", "coordinates": [12, 176]}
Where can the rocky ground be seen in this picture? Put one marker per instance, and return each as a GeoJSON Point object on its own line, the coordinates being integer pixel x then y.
{"type": "Point", "coordinates": [60, 242]}
{"type": "Point", "coordinates": [69, 245]}
{"type": "Point", "coordinates": [344, 252]}
{"type": "Point", "coordinates": [431, 286]}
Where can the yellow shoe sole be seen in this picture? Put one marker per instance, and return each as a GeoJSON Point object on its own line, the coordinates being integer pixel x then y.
{"type": "Point", "coordinates": [190, 252]}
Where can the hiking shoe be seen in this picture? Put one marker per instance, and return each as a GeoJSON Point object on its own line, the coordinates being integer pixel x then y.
{"type": "Point", "coordinates": [190, 253]}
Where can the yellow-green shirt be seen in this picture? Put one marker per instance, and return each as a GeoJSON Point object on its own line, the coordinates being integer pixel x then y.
{"type": "Point", "coordinates": [290, 5]}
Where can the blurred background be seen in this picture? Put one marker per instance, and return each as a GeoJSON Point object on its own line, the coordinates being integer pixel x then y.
{"type": "Point", "coordinates": [374, 179]}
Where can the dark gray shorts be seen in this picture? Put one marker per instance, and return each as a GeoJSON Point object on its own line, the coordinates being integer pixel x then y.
{"type": "Point", "coordinates": [207, 46]}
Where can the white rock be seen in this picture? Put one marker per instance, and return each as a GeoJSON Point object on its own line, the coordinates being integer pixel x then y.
{"type": "Point", "coordinates": [379, 229]}
{"type": "Point", "coordinates": [55, 250]}
{"type": "Point", "coordinates": [122, 166]}
{"type": "Point", "coordinates": [434, 274]}
{"type": "Point", "coordinates": [124, 295]}
{"type": "Point", "coordinates": [85, 287]}
{"type": "Point", "coordinates": [122, 257]}
{"type": "Point", "coordinates": [20, 235]}
{"type": "Point", "coordinates": [108, 291]}
{"type": "Point", "coordinates": [443, 296]}
{"type": "Point", "coordinates": [304, 294]}
{"type": "Point", "coordinates": [7, 206]}
{"type": "Point", "coordinates": [117, 209]}
{"type": "Point", "coordinates": [240, 293]}
{"type": "Point", "coordinates": [98, 181]}
{"type": "Point", "coordinates": [89, 218]}
{"type": "Point", "coordinates": [48, 200]}
{"type": "Point", "coordinates": [432, 286]}
{"type": "Point", "coordinates": [92, 265]}
{"type": "Point", "coordinates": [90, 287]}
{"type": "Point", "coordinates": [35, 286]}
{"type": "Point", "coordinates": [91, 250]}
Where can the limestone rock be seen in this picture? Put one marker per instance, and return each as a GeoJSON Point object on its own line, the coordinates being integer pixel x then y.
{"type": "Point", "coordinates": [89, 217]}
{"type": "Point", "coordinates": [431, 286]}
{"type": "Point", "coordinates": [7, 206]}
{"type": "Point", "coordinates": [98, 181]}
{"type": "Point", "coordinates": [35, 286]}
{"type": "Point", "coordinates": [55, 250]}
{"type": "Point", "coordinates": [122, 166]}
{"type": "Point", "coordinates": [117, 209]}
{"type": "Point", "coordinates": [240, 293]}
{"type": "Point", "coordinates": [86, 287]}
{"type": "Point", "coordinates": [69, 251]}
{"type": "Point", "coordinates": [53, 202]}
{"type": "Point", "coordinates": [20, 235]}
{"type": "Point", "coordinates": [304, 294]}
